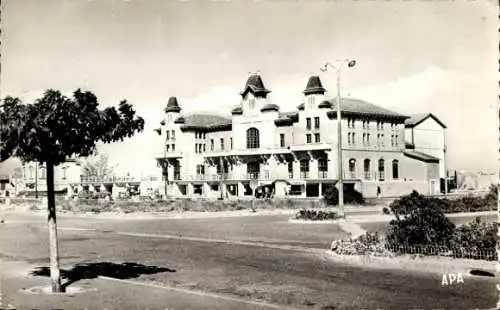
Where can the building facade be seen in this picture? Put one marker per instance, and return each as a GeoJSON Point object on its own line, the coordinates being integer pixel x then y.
{"type": "Point", "coordinates": [295, 153]}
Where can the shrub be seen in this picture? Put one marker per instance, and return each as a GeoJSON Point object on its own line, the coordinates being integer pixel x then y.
{"type": "Point", "coordinates": [419, 221]}
{"type": "Point", "coordinates": [386, 210]}
{"type": "Point", "coordinates": [313, 215]}
{"type": "Point", "coordinates": [351, 196]}
{"type": "Point", "coordinates": [476, 234]}
{"type": "Point", "coordinates": [367, 244]}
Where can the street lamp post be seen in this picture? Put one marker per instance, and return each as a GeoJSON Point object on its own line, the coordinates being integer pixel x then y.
{"type": "Point", "coordinates": [350, 63]}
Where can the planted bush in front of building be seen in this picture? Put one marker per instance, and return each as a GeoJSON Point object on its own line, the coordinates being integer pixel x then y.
{"type": "Point", "coordinates": [351, 196]}
{"type": "Point", "coordinates": [422, 228]}
{"type": "Point", "coordinates": [313, 215]}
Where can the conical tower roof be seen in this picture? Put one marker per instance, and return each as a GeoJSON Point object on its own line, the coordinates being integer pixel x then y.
{"type": "Point", "coordinates": [255, 85]}
{"type": "Point", "coordinates": [314, 86]}
{"type": "Point", "coordinates": [172, 105]}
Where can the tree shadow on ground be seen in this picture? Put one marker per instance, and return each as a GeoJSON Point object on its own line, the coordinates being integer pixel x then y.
{"type": "Point", "coordinates": [106, 269]}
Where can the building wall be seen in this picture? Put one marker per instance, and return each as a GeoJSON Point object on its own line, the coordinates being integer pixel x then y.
{"type": "Point", "coordinates": [429, 138]}
{"type": "Point", "coordinates": [412, 174]}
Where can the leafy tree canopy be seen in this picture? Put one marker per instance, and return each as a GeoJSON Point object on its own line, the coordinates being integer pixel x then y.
{"type": "Point", "coordinates": [97, 166]}
{"type": "Point", "coordinates": [56, 127]}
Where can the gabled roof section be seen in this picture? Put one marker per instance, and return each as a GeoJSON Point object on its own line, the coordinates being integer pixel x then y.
{"type": "Point", "coordinates": [255, 86]}
{"type": "Point", "coordinates": [314, 86]}
{"type": "Point", "coordinates": [421, 156]}
{"type": "Point", "coordinates": [270, 107]}
{"type": "Point", "coordinates": [206, 122]}
{"type": "Point", "coordinates": [325, 104]}
{"type": "Point", "coordinates": [357, 107]}
{"type": "Point", "coordinates": [417, 119]}
{"type": "Point", "coordinates": [286, 119]}
{"type": "Point", "coordinates": [172, 105]}
{"type": "Point", "coordinates": [301, 106]}
{"type": "Point", "coordinates": [237, 111]}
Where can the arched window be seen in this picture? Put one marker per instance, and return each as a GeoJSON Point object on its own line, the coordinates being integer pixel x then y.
{"type": "Point", "coordinates": [253, 138]}
{"type": "Point", "coordinates": [322, 168]}
{"type": "Point", "coordinates": [381, 170]}
{"type": "Point", "coordinates": [352, 168]}
{"type": "Point", "coordinates": [43, 174]}
{"type": "Point", "coordinates": [304, 168]}
{"type": "Point", "coordinates": [395, 169]}
{"type": "Point", "coordinates": [367, 165]}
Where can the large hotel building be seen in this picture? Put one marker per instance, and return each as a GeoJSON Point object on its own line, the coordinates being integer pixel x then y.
{"type": "Point", "coordinates": [384, 153]}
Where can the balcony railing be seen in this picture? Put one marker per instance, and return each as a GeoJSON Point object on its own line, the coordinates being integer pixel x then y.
{"type": "Point", "coordinates": [350, 175]}
{"type": "Point", "coordinates": [116, 179]}
{"type": "Point", "coordinates": [107, 179]}
{"type": "Point", "coordinates": [367, 175]}
{"type": "Point", "coordinates": [322, 174]}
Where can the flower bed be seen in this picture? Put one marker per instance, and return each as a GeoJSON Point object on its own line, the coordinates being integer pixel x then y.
{"type": "Point", "coordinates": [313, 215]}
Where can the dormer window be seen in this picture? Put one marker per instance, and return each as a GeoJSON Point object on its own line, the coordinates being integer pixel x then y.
{"type": "Point", "coordinates": [251, 104]}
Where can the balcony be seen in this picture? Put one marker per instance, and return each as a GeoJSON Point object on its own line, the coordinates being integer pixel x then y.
{"type": "Point", "coordinates": [108, 179]}
{"type": "Point", "coordinates": [350, 175]}
{"type": "Point", "coordinates": [163, 154]}
{"type": "Point", "coordinates": [310, 147]}
{"type": "Point", "coordinates": [367, 175]}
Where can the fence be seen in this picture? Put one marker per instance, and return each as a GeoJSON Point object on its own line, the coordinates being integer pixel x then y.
{"type": "Point", "coordinates": [489, 254]}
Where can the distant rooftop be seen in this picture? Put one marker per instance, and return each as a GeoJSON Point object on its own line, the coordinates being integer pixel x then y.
{"type": "Point", "coordinates": [416, 119]}
{"type": "Point", "coordinates": [359, 107]}
{"type": "Point", "coordinates": [206, 122]}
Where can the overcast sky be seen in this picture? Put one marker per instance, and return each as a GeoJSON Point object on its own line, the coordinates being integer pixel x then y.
{"type": "Point", "coordinates": [413, 56]}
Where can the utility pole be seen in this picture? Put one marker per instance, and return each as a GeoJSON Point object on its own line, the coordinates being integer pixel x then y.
{"type": "Point", "coordinates": [350, 63]}
{"type": "Point", "coordinates": [36, 179]}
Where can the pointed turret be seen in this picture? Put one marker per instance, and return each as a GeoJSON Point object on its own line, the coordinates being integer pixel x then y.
{"type": "Point", "coordinates": [255, 86]}
{"type": "Point", "coordinates": [314, 86]}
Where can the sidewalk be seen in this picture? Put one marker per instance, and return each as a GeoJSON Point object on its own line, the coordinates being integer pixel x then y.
{"type": "Point", "coordinates": [108, 293]}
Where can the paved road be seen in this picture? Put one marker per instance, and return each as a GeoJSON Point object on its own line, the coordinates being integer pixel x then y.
{"type": "Point", "coordinates": [302, 279]}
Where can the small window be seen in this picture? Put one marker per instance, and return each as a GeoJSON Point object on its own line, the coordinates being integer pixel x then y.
{"type": "Point", "coordinates": [173, 134]}
{"type": "Point", "coordinates": [353, 138]}
{"type": "Point", "coordinates": [173, 147]}
{"type": "Point", "coordinates": [395, 169]}
{"type": "Point", "coordinates": [168, 135]}
{"type": "Point", "coordinates": [304, 168]}
{"type": "Point", "coordinates": [204, 148]}
{"type": "Point", "coordinates": [310, 102]}
{"type": "Point", "coordinates": [308, 138]}
{"type": "Point", "coordinates": [308, 123]}
{"type": "Point", "coordinates": [381, 170]}
{"type": "Point", "coordinates": [231, 143]}
{"type": "Point", "coordinates": [282, 140]}
{"type": "Point", "coordinates": [211, 145]}
{"type": "Point", "coordinates": [196, 147]}
{"type": "Point", "coordinates": [316, 138]}
{"type": "Point", "coordinates": [168, 148]}
{"type": "Point", "coordinates": [316, 122]}
{"type": "Point", "coordinates": [222, 144]}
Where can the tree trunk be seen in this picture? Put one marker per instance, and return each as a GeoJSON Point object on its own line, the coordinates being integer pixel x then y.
{"type": "Point", "coordinates": [36, 180]}
{"type": "Point", "coordinates": [55, 275]}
